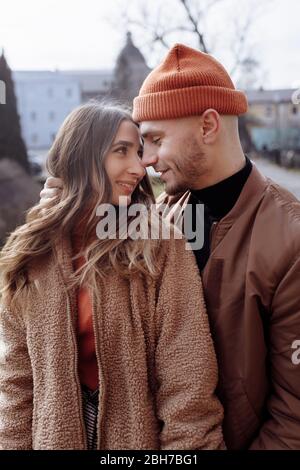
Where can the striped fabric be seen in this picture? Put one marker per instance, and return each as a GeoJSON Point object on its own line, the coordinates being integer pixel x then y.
{"type": "Point", "coordinates": [90, 412]}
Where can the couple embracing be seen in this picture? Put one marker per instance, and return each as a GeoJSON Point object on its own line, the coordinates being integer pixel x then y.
{"type": "Point", "coordinates": [122, 343]}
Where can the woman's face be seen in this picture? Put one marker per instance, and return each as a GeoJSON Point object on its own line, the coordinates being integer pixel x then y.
{"type": "Point", "coordinates": [123, 163]}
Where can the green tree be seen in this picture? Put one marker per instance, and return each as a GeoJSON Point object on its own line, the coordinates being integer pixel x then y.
{"type": "Point", "coordinates": [11, 142]}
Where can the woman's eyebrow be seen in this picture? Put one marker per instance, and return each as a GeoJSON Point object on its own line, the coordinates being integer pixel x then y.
{"type": "Point", "coordinates": [124, 142]}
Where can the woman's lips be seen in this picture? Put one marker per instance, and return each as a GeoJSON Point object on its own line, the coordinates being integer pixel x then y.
{"type": "Point", "coordinates": [128, 188]}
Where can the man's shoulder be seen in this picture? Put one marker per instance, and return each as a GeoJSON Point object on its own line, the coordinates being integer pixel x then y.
{"type": "Point", "coordinates": [284, 205]}
{"type": "Point", "coordinates": [278, 224]}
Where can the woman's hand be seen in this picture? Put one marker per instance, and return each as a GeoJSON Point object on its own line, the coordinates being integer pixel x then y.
{"type": "Point", "coordinates": [51, 191]}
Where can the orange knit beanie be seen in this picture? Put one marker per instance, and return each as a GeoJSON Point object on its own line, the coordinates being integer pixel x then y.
{"type": "Point", "coordinates": [187, 83]}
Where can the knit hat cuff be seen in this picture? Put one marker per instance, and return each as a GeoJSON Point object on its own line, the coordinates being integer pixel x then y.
{"type": "Point", "coordinates": [191, 101]}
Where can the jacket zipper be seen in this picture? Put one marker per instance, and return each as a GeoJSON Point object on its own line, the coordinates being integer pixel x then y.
{"type": "Point", "coordinates": [76, 374]}
{"type": "Point", "coordinates": [100, 379]}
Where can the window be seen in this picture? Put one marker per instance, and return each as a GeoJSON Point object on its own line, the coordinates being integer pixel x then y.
{"type": "Point", "coordinates": [52, 136]}
{"type": "Point", "coordinates": [51, 116]}
{"type": "Point", "coordinates": [69, 92]}
{"type": "Point", "coordinates": [269, 111]}
{"type": "Point", "coordinates": [50, 92]}
{"type": "Point", "coordinates": [33, 115]}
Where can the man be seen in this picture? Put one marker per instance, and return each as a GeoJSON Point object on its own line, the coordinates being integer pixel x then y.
{"type": "Point", "coordinates": [250, 263]}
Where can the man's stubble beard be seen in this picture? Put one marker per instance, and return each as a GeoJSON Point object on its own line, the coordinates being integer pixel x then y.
{"type": "Point", "coordinates": [190, 164]}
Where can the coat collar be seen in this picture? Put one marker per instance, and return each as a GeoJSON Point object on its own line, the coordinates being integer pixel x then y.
{"type": "Point", "coordinates": [250, 197]}
{"type": "Point", "coordinates": [251, 194]}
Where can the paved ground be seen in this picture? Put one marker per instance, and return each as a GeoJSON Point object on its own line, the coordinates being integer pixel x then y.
{"type": "Point", "coordinates": [289, 179]}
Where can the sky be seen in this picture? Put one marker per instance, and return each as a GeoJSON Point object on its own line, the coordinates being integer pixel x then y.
{"type": "Point", "coordinates": [88, 34]}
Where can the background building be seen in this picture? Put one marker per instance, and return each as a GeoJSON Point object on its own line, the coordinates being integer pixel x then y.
{"type": "Point", "coordinates": [45, 98]}
{"type": "Point", "coordinates": [130, 71]}
{"type": "Point", "coordinates": [273, 120]}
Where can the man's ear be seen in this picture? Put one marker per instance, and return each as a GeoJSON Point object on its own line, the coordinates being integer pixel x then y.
{"type": "Point", "coordinates": [210, 121]}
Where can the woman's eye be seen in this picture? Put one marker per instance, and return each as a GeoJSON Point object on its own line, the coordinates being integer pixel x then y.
{"type": "Point", "coordinates": [122, 150]}
{"type": "Point", "coordinates": [156, 141]}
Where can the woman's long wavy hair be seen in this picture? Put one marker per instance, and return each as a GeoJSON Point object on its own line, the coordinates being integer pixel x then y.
{"type": "Point", "coordinates": [77, 156]}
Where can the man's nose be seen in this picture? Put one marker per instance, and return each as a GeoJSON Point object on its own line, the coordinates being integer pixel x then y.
{"type": "Point", "coordinates": [149, 158]}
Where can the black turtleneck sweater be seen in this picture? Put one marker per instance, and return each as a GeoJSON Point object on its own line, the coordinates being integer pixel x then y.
{"type": "Point", "coordinates": [218, 201]}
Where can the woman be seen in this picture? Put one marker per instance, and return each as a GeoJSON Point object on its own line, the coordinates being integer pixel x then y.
{"type": "Point", "coordinates": [105, 343]}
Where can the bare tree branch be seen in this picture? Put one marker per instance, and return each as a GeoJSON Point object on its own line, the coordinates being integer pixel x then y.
{"type": "Point", "coordinates": [239, 44]}
{"type": "Point", "coordinates": [156, 26]}
{"type": "Point", "coordinates": [194, 23]}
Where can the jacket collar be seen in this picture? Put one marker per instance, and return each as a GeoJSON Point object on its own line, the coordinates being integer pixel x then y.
{"type": "Point", "coordinates": [250, 197]}
{"type": "Point", "coordinates": [251, 194]}
{"type": "Point", "coordinates": [63, 253]}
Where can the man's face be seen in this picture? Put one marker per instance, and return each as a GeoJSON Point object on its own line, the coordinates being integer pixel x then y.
{"type": "Point", "coordinates": [174, 148]}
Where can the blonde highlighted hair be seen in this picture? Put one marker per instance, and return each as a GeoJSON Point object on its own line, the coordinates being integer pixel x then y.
{"type": "Point", "coordinates": [77, 157]}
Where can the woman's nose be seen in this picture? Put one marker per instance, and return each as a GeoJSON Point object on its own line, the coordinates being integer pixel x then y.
{"type": "Point", "coordinates": [138, 169]}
